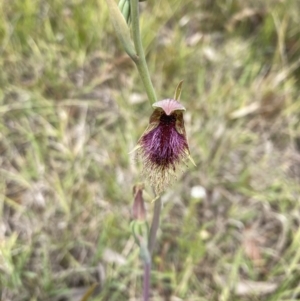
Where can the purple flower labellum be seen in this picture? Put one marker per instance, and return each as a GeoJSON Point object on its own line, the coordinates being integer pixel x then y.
{"type": "Point", "coordinates": [163, 146]}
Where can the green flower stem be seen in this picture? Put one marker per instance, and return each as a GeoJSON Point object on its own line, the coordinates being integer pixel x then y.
{"type": "Point", "coordinates": [140, 61]}
{"type": "Point", "coordinates": [146, 257]}
{"type": "Point", "coordinates": [146, 285]}
{"type": "Point", "coordinates": [154, 224]}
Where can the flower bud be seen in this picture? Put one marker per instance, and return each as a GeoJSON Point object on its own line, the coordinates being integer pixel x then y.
{"type": "Point", "coordinates": [121, 28]}
{"type": "Point", "coordinates": [138, 208]}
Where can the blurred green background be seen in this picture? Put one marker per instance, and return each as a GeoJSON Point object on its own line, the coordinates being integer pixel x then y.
{"type": "Point", "coordinates": [71, 109]}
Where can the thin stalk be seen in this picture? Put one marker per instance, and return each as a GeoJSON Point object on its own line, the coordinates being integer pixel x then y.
{"type": "Point", "coordinates": [142, 67]}
{"type": "Point", "coordinates": [146, 285]}
{"type": "Point", "coordinates": [154, 225]}
{"type": "Point", "coordinates": [140, 61]}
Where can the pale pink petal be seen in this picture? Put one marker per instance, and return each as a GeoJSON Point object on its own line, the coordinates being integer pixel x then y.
{"type": "Point", "coordinates": [169, 105]}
